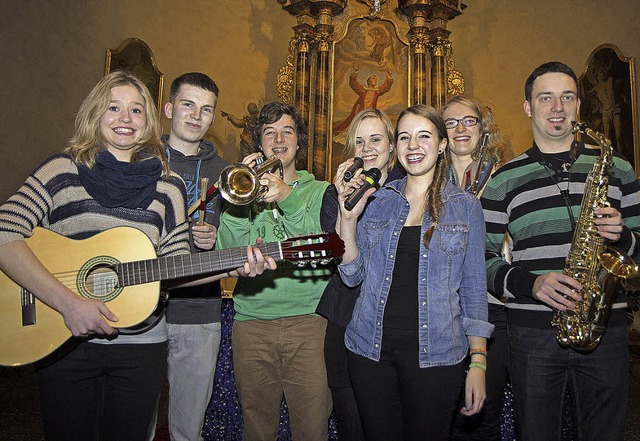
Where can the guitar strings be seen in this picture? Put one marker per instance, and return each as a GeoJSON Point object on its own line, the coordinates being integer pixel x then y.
{"type": "Point", "coordinates": [70, 278]}
{"type": "Point", "coordinates": [139, 269]}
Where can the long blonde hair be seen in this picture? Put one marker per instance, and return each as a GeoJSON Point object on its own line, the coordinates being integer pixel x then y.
{"type": "Point", "coordinates": [433, 197]}
{"type": "Point", "coordinates": [87, 140]}
{"type": "Point", "coordinates": [498, 148]}
{"type": "Point", "coordinates": [350, 146]}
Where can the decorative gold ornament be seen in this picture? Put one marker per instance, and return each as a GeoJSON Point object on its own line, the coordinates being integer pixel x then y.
{"type": "Point", "coordinates": [284, 80]}
{"type": "Point", "coordinates": [419, 41]}
{"type": "Point", "coordinates": [455, 81]}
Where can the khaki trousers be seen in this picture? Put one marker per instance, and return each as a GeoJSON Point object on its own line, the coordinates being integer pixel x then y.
{"type": "Point", "coordinates": [276, 358]}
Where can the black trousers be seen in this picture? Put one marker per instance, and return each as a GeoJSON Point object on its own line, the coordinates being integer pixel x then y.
{"type": "Point", "coordinates": [397, 399]}
{"type": "Point", "coordinates": [345, 406]}
{"type": "Point", "coordinates": [102, 392]}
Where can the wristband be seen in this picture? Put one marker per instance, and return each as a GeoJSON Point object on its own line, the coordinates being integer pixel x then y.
{"type": "Point", "coordinates": [478, 352]}
{"type": "Point", "coordinates": [479, 365]}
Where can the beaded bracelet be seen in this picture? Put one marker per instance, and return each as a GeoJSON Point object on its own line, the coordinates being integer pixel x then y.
{"type": "Point", "coordinates": [477, 364]}
{"type": "Point", "coordinates": [478, 352]}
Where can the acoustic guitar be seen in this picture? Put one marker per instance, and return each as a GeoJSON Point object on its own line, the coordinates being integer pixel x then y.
{"type": "Point", "coordinates": [120, 267]}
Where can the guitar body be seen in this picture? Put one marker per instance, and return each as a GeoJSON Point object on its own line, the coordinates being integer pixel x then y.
{"type": "Point", "coordinates": [30, 330]}
{"type": "Point", "coordinates": [119, 267]}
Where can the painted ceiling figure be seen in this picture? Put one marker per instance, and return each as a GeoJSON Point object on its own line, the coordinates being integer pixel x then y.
{"type": "Point", "coordinates": [368, 95]}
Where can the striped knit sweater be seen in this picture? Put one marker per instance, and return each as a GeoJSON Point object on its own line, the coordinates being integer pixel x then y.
{"type": "Point", "coordinates": [523, 199]}
{"type": "Point", "coordinates": [53, 197]}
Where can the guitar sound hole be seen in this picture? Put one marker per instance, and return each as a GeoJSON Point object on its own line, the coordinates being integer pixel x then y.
{"type": "Point", "coordinates": [101, 282]}
{"type": "Point", "coordinates": [97, 279]}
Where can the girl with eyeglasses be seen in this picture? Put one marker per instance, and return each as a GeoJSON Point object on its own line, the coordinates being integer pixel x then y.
{"type": "Point", "coordinates": [468, 122]}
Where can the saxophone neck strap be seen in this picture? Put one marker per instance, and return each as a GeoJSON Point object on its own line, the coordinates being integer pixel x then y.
{"type": "Point", "coordinates": [559, 167]}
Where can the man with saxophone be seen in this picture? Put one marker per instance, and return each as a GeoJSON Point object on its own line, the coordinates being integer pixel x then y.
{"type": "Point", "coordinates": [536, 198]}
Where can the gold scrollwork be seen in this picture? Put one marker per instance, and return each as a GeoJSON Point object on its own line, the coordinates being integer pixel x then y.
{"type": "Point", "coordinates": [455, 81]}
{"type": "Point", "coordinates": [284, 79]}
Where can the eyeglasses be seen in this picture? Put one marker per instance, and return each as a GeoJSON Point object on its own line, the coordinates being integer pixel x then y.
{"type": "Point", "coordinates": [467, 121]}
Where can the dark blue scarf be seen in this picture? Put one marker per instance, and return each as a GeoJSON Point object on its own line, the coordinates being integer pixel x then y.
{"type": "Point", "coordinates": [115, 183]}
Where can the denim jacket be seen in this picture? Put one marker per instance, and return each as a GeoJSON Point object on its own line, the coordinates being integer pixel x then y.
{"type": "Point", "coordinates": [452, 288]}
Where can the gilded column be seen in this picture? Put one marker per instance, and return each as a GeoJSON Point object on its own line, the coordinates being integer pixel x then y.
{"type": "Point", "coordinates": [320, 148]}
{"type": "Point", "coordinates": [419, 47]}
{"type": "Point", "coordinates": [302, 91]}
{"type": "Point", "coordinates": [312, 90]}
{"type": "Point", "coordinates": [438, 72]}
{"type": "Point", "coordinates": [429, 47]}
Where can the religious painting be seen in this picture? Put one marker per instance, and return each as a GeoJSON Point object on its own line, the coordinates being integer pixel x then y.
{"type": "Point", "coordinates": [135, 56]}
{"type": "Point", "coordinates": [608, 100]}
{"type": "Point", "coordinates": [244, 122]}
{"type": "Point", "coordinates": [370, 71]}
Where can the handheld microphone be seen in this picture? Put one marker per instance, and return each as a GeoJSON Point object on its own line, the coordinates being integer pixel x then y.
{"type": "Point", "coordinates": [357, 163]}
{"type": "Point", "coordinates": [372, 176]}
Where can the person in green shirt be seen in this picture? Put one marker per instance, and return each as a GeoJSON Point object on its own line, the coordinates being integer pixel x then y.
{"type": "Point", "coordinates": [277, 338]}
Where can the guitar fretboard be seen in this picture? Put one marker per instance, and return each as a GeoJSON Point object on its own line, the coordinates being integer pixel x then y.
{"type": "Point", "coordinates": [185, 265]}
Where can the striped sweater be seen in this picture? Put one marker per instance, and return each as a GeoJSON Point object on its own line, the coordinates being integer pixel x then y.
{"type": "Point", "coordinates": [53, 197]}
{"type": "Point", "coordinates": [522, 199]}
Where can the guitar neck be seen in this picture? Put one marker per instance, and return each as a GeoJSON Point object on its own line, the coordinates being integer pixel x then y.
{"type": "Point", "coordinates": [186, 265]}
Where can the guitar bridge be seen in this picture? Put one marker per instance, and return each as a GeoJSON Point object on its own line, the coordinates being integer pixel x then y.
{"type": "Point", "coordinates": [28, 302]}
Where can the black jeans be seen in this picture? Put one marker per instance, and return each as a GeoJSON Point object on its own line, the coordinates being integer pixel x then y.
{"type": "Point", "coordinates": [345, 406]}
{"type": "Point", "coordinates": [541, 371]}
{"type": "Point", "coordinates": [397, 399]}
{"type": "Point", "coordinates": [105, 392]}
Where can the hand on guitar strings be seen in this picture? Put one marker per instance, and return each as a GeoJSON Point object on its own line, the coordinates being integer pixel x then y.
{"type": "Point", "coordinates": [256, 262]}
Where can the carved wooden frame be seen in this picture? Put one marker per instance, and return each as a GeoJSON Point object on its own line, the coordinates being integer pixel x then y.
{"type": "Point", "coordinates": [135, 56]}
{"type": "Point", "coordinates": [610, 102]}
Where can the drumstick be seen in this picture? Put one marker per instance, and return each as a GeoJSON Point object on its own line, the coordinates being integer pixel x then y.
{"type": "Point", "coordinates": [192, 209]}
{"type": "Point", "coordinates": [204, 184]}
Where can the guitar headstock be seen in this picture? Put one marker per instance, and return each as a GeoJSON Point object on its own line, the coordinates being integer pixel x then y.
{"type": "Point", "coordinates": [313, 249]}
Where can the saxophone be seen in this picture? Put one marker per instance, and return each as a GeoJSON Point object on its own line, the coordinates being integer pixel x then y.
{"type": "Point", "coordinates": [598, 267]}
